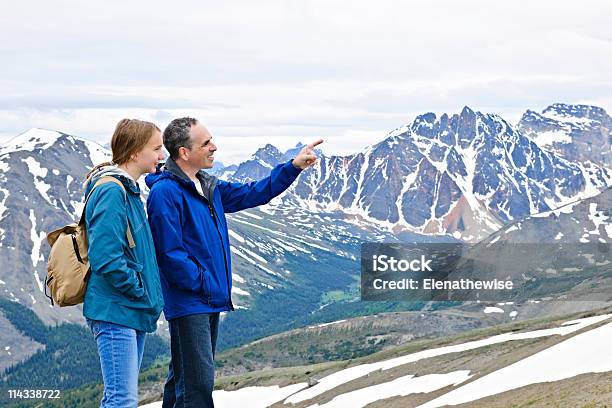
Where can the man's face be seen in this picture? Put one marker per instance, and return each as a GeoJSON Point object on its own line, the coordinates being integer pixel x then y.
{"type": "Point", "coordinates": [202, 150]}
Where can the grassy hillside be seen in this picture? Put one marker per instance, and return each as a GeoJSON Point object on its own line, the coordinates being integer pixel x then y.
{"type": "Point", "coordinates": [480, 361]}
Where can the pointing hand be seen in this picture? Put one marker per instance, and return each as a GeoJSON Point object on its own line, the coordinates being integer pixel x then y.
{"type": "Point", "coordinates": [306, 157]}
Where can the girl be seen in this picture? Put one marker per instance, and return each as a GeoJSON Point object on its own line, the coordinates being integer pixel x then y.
{"type": "Point", "coordinates": [123, 299]}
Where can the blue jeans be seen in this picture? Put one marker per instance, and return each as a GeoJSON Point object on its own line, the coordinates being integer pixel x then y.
{"type": "Point", "coordinates": [191, 374]}
{"type": "Point", "coordinates": [120, 349]}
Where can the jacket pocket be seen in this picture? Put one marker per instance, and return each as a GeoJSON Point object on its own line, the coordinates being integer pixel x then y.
{"type": "Point", "coordinates": [217, 291]}
{"type": "Point", "coordinates": [205, 278]}
{"type": "Point", "coordinates": [140, 282]}
{"type": "Point", "coordinates": [212, 293]}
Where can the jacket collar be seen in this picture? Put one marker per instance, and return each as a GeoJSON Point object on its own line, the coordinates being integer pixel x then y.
{"type": "Point", "coordinates": [207, 181]}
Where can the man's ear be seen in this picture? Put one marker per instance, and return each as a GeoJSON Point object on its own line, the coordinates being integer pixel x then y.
{"type": "Point", "coordinates": [183, 153]}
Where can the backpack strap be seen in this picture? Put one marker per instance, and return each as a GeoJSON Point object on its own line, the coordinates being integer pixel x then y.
{"type": "Point", "coordinates": [104, 180]}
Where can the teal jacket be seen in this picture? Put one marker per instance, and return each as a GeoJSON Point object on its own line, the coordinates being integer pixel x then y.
{"type": "Point", "coordinates": [124, 286]}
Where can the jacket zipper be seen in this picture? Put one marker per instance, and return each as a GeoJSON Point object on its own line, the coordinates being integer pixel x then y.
{"type": "Point", "coordinates": [229, 291]}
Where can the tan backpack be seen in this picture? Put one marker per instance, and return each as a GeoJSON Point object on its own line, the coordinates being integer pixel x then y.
{"type": "Point", "coordinates": [68, 267]}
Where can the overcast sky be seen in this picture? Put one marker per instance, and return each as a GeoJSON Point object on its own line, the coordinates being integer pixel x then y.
{"type": "Point", "coordinates": [257, 72]}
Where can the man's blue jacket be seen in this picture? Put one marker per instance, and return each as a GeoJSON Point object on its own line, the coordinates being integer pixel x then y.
{"type": "Point", "coordinates": [191, 237]}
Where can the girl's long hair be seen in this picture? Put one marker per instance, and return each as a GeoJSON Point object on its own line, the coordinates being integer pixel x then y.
{"type": "Point", "coordinates": [130, 137]}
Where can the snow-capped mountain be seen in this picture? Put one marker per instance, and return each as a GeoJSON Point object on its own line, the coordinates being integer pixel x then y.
{"type": "Point", "coordinates": [467, 175]}
{"type": "Point", "coordinates": [40, 189]}
{"type": "Point", "coordinates": [259, 164]}
{"type": "Point", "coordinates": [576, 132]}
{"type": "Point", "coordinates": [583, 221]}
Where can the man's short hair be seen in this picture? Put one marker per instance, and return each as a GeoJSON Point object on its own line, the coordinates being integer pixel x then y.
{"type": "Point", "coordinates": [176, 135]}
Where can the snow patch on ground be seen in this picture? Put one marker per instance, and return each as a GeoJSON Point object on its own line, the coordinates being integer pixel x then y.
{"type": "Point", "coordinates": [239, 291]}
{"type": "Point", "coordinates": [257, 397]}
{"type": "Point", "coordinates": [546, 139]}
{"type": "Point", "coordinates": [598, 218]}
{"type": "Point", "coordinates": [39, 174]}
{"type": "Point", "coordinates": [236, 236]}
{"type": "Point", "coordinates": [327, 324]}
{"type": "Point", "coordinates": [585, 353]}
{"type": "Point", "coordinates": [349, 374]}
{"type": "Point", "coordinates": [36, 255]}
{"type": "Point", "coordinates": [399, 387]}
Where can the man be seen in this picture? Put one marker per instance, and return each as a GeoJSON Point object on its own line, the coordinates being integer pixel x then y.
{"type": "Point", "coordinates": [186, 208]}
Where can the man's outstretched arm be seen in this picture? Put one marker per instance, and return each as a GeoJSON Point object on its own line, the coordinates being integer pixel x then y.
{"type": "Point", "coordinates": [238, 196]}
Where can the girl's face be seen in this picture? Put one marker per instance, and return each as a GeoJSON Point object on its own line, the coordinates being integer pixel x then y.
{"type": "Point", "coordinates": [151, 154]}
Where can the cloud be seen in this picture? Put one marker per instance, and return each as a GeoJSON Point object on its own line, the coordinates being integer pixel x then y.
{"type": "Point", "coordinates": [290, 70]}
